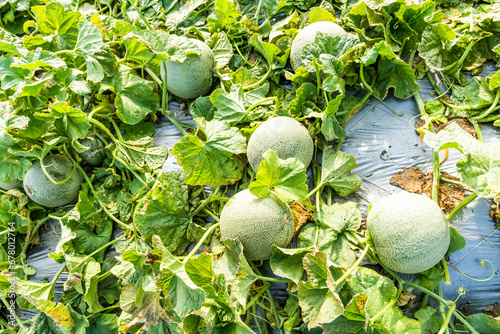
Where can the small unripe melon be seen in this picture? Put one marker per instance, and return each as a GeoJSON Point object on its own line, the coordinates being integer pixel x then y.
{"type": "Point", "coordinates": [94, 155]}
{"type": "Point", "coordinates": [43, 191]}
{"type": "Point", "coordinates": [286, 136]}
{"type": "Point", "coordinates": [258, 223]}
{"type": "Point", "coordinates": [307, 36]}
{"type": "Point", "coordinates": [193, 77]}
{"type": "Point", "coordinates": [409, 232]}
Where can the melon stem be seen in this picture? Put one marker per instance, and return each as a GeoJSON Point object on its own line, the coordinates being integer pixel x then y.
{"type": "Point", "coordinates": [354, 266]}
{"type": "Point", "coordinates": [200, 243]}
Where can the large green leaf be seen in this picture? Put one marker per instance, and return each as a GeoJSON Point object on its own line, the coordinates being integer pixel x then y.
{"type": "Point", "coordinates": [319, 304]}
{"type": "Point", "coordinates": [480, 167]}
{"type": "Point", "coordinates": [211, 161]}
{"type": "Point", "coordinates": [165, 211]}
{"type": "Point", "coordinates": [69, 121]}
{"type": "Point", "coordinates": [235, 267]}
{"type": "Point", "coordinates": [286, 177]}
{"type": "Point", "coordinates": [230, 106]}
{"type": "Point", "coordinates": [141, 154]}
{"type": "Point", "coordinates": [336, 172]}
{"type": "Point", "coordinates": [337, 226]}
{"type": "Point", "coordinates": [134, 99]}
{"type": "Point", "coordinates": [288, 262]}
{"type": "Point", "coordinates": [380, 291]}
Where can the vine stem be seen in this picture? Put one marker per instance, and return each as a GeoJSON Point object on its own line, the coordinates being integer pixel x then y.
{"type": "Point", "coordinates": [257, 296]}
{"type": "Point", "coordinates": [461, 205]}
{"type": "Point", "coordinates": [50, 177]}
{"type": "Point", "coordinates": [98, 250]}
{"type": "Point", "coordinates": [477, 128]}
{"type": "Point", "coordinates": [490, 109]}
{"type": "Point", "coordinates": [447, 280]}
{"type": "Point", "coordinates": [388, 306]}
{"type": "Point", "coordinates": [91, 186]}
{"type": "Point", "coordinates": [56, 276]}
{"type": "Point", "coordinates": [435, 176]}
{"type": "Point", "coordinates": [269, 295]}
{"type": "Point", "coordinates": [429, 292]}
{"type": "Point", "coordinates": [15, 315]}
{"type": "Point", "coordinates": [141, 15]}
{"type": "Point", "coordinates": [256, 319]}
{"type": "Point", "coordinates": [315, 190]}
{"type": "Point", "coordinates": [354, 266]}
{"type": "Point", "coordinates": [258, 83]}
{"type": "Point", "coordinates": [202, 240]}
{"type": "Point", "coordinates": [444, 326]}
{"type": "Point", "coordinates": [256, 104]}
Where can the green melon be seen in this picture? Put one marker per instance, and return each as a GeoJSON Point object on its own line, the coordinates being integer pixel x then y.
{"type": "Point", "coordinates": [43, 191]}
{"type": "Point", "coordinates": [409, 232]}
{"type": "Point", "coordinates": [9, 185]}
{"type": "Point", "coordinates": [193, 77]}
{"type": "Point", "coordinates": [307, 35]}
{"type": "Point", "coordinates": [286, 136]}
{"type": "Point", "coordinates": [95, 154]}
{"type": "Point", "coordinates": [258, 223]}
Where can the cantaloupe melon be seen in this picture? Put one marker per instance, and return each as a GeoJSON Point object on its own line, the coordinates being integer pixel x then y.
{"type": "Point", "coordinates": [307, 36]}
{"type": "Point", "coordinates": [409, 231]}
{"type": "Point", "coordinates": [94, 155]}
{"type": "Point", "coordinates": [258, 223]}
{"type": "Point", "coordinates": [193, 77]}
{"type": "Point", "coordinates": [286, 136]}
{"type": "Point", "coordinates": [43, 191]}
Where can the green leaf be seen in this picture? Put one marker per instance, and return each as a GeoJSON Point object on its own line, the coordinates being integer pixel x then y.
{"type": "Point", "coordinates": [336, 172]}
{"type": "Point", "coordinates": [136, 49]}
{"type": "Point", "coordinates": [165, 212]}
{"type": "Point", "coordinates": [200, 270]}
{"type": "Point", "coordinates": [222, 49]}
{"type": "Point", "coordinates": [59, 313]}
{"type": "Point", "coordinates": [343, 325]}
{"type": "Point", "coordinates": [306, 92]}
{"type": "Point", "coordinates": [480, 167]}
{"type": "Point", "coordinates": [428, 320]}
{"type": "Point", "coordinates": [134, 99]}
{"type": "Point", "coordinates": [320, 14]}
{"type": "Point", "coordinates": [267, 50]}
{"type": "Point", "coordinates": [71, 79]}
{"type": "Point", "coordinates": [355, 310]}
{"type": "Point", "coordinates": [235, 267]}
{"type": "Point", "coordinates": [457, 241]}
{"type": "Point", "coordinates": [319, 305]}
{"type": "Point", "coordinates": [170, 47]}
{"type": "Point", "coordinates": [439, 47]}
{"type": "Point", "coordinates": [288, 262]}
{"type": "Point", "coordinates": [211, 161]}
{"type": "Point", "coordinates": [53, 18]}
{"type": "Point", "coordinates": [91, 279]}
{"type": "Point", "coordinates": [141, 154]}
{"type": "Point", "coordinates": [495, 80]}
{"type": "Point", "coordinates": [483, 323]}
{"type": "Point", "coordinates": [337, 225]}
{"type": "Point", "coordinates": [286, 177]}
{"type": "Point", "coordinates": [230, 106]}
{"type": "Point", "coordinates": [89, 39]}
{"type": "Point", "coordinates": [380, 291]}
{"type": "Point", "coordinates": [69, 121]}
{"type": "Point", "coordinates": [40, 58]}
{"type": "Point", "coordinates": [11, 76]}
{"type": "Point", "coordinates": [13, 169]}
{"type": "Point", "coordinates": [104, 323]}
